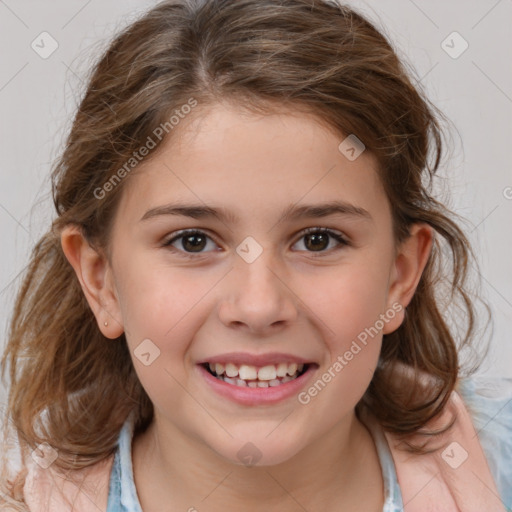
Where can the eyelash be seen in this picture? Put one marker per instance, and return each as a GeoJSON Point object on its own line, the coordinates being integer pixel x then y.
{"type": "Point", "coordinates": [188, 232]}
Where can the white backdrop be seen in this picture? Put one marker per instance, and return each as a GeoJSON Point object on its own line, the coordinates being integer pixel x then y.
{"type": "Point", "coordinates": [467, 74]}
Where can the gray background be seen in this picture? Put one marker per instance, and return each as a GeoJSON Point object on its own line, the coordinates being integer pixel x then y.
{"type": "Point", "coordinates": [38, 98]}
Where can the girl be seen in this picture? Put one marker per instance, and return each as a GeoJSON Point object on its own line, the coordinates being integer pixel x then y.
{"type": "Point", "coordinates": [244, 301]}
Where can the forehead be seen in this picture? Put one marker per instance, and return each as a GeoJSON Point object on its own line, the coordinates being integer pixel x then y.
{"type": "Point", "coordinates": [251, 163]}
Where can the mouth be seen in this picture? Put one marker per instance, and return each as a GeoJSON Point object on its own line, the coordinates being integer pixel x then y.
{"type": "Point", "coordinates": [257, 377]}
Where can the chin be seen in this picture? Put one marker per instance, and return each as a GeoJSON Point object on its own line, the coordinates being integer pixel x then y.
{"type": "Point", "coordinates": [257, 453]}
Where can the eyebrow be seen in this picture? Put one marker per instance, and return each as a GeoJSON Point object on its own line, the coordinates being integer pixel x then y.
{"type": "Point", "coordinates": [292, 212]}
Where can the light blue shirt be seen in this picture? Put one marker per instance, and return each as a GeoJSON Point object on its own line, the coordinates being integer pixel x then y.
{"type": "Point", "coordinates": [489, 401]}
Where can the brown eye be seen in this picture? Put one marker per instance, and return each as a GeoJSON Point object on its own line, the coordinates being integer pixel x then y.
{"type": "Point", "coordinates": [319, 239]}
{"type": "Point", "coordinates": [189, 242]}
{"type": "Point", "coordinates": [193, 243]}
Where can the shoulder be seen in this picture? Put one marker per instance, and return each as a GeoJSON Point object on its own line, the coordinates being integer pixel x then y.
{"type": "Point", "coordinates": [489, 402]}
{"type": "Point", "coordinates": [48, 490]}
{"type": "Point", "coordinates": [468, 466]}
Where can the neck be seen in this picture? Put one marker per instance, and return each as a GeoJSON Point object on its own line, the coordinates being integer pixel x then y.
{"type": "Point", "coordinates": [339, 471]}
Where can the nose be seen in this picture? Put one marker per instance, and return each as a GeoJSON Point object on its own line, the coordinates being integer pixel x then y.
{"type": "Point", "coordinates": [259, 298]}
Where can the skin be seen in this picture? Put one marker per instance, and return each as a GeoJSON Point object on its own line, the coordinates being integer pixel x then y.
{"type": "Point", "coordinates": [292, 299]}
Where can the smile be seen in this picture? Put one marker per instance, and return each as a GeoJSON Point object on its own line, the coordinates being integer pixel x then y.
{"type": "Point", "coordinates": [254, 377]}
{"type": "Point", "coordinates": [261, 386]}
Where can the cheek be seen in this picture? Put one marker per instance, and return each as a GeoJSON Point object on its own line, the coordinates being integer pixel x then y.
{"type": "Point", "coordinates": [349, 307]}
{"type": "Point", "coordinates": [156, 306]}
{"type": "Point", "coordinates": [155, 298]}
{"type": "Point", "coordinates": [348, 300]}
{"type": "Point", "coordinates": [349, 304]}
{"type": "Point", "coordinates": [167, 307]}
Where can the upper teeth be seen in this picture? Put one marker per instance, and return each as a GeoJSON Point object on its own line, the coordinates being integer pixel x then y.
{"type": "Point", "coordinates": [249, 372]}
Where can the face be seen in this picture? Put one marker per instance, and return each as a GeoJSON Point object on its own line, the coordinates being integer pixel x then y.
{"type": "Point", "coordinates": [297, 264]}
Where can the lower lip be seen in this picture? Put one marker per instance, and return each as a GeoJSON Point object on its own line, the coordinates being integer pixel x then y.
{"type": "Point", "coordinates": [257, 396]}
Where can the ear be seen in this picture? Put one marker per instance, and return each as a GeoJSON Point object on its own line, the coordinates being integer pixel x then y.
{"type": "Point", "coordinates": [96, 278]}
{"type": "Point", "coordinates": [411, 258]}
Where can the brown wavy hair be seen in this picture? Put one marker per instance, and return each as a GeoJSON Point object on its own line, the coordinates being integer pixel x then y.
{"type": "Point", "coordinates": [72, 387]}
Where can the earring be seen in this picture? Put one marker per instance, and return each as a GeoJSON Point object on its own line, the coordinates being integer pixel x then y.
{"type": "Point", "coordinates": [105, 323]}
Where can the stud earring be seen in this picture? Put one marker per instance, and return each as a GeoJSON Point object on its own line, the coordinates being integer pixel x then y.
{"type": "Point", "coordinates": [105, 323]}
